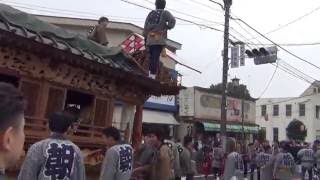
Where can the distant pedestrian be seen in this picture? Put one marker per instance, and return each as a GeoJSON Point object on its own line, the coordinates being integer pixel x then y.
{"type": "Point", "coordinates": [265, 163]}
{"type": "Point", "coordinates": [118, 160]}
{"type": "Point", "coordinates": [217, 158]}
{"type": "Point", "coordinates": [185, 152]}
{"type": "Point", "coordinates": [12, 106]}
{"type": "Point", "coordinates": [284, 165]}
{"type": "Point", "coordinates": [234, 163]}
{"type": "Point", "coordinates": [55, 157]}
{"type": "Point", "coordinates": [306, 157]}
{"type": "Point", "coordinates": [157, 23]}
{"type": "Point", "coordinates": [252, 153]}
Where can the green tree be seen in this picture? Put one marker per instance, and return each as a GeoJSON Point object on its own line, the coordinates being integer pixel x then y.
{"type": "Point", "coordinates": [296, 130]}
{"type": "Point", "coordinates": [240, 91]}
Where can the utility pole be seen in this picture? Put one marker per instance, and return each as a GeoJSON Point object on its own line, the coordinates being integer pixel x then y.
{"type": "Point", "coordinates": [227, 5]}
{"type": "Point", "coordinates": [242, 122]}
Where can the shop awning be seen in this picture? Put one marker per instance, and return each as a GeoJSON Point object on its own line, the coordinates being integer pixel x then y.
{"type": "Point", "coordinates": [157, 117]}
{"type": "Point", "coordinates": [230, 128]}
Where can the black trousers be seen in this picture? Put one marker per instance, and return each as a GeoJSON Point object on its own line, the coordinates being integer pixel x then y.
{"type": "Point", "coordinates": [154, 55]}
{"type": "Point", "coordinates": [252, 168]}
{"type": "Point", "coordinates": [304, 170]}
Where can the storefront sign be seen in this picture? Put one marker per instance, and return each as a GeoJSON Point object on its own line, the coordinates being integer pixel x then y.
{"type": "Point", "coordinates": [186, 102]}
{"type": "Point", "coordinates": [208, 106]}
{"type": "Point", "coordinates": [164, 100]}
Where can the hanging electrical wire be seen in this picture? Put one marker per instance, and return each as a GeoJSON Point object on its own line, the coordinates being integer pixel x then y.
{"type": "Point", "coordinates": [290, 44]}
{"type": "Point", "coordinates": [183, 13]}
{"type": "Point", "coordinates": [284, 49]}
{"type": "Point", "coordinates": [72, 12]}
{"type": "Point", "coordinates": [292, 22]}
{"type": "Point", "coordinates": [269, 83]}
{"type": "Point", "coordinates": [181, 19]}
{"type": "Point", "coordinates": [249, 33]}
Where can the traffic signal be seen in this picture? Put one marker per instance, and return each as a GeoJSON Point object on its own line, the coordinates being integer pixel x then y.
{"type": "Point", "coordinates": [263, 55]}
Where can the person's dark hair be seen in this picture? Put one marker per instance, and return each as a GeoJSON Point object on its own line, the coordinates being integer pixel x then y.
{"type": "Point", "coordinates": [187, 140]}
{"type": "Point", "coordinates": [60, 122]}
{"type": "Point", "coordinates": [216, 144]}
{"type": "Point", "coordinates": [112, 132]}
{"type": "Point", "coordinates": [12, 104]}
{"type": "Point", "coordinates": [160, 4]}
{"type": "Point", "coordinates": [285, 146]}
{"type": "Point", "coordinates": [102, 19]}
{"type": "Point", "coordinates": [158, 132]}
{"type": "Point", "coordinates": [199, 127]}
{"type": "Point", "coordinates": [266, 148]}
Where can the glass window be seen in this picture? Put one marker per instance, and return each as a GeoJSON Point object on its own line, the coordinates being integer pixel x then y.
{"type": "Point", "coordinates": [263, 110]}
{"type": "Point", "coordinates": [275, 110]}
{"type": "Point", "coordinates": [302, 109]}
{"type": "Point", "coordinates": [288, 110]}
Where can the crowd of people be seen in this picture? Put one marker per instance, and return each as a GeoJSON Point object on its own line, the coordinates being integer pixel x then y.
{"type": "Point", "coordinates": [158, 158]}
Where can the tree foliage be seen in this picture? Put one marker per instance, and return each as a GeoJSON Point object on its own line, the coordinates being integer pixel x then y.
{"type": "Point", "coordinates": [240, 91]}
{"type": "Point", "coordinates": [296, 130]}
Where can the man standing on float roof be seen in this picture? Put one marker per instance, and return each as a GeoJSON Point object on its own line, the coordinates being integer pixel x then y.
{"type": "Point", "coordinates": [157, 23]}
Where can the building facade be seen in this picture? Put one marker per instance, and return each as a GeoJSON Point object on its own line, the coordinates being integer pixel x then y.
{"type": "Point", "coordinates": [275, 114]}
{"type": "Point", "coordinates": [202, 105]}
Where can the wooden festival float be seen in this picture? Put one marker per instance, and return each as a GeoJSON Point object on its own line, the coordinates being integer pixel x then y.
{"type": "Point", "coordinates": [56, 69]}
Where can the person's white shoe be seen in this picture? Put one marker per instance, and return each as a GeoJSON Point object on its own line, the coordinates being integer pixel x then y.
{"type": "Point", "coordinates": [152, 76]}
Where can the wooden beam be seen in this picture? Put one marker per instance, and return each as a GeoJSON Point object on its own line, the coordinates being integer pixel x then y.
{"type": "Point", "coordinates": [137, 127]}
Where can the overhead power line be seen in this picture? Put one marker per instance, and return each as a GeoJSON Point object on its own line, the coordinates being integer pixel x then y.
{"type": "Point", "coordinates": [289, 52]}
{"type": "Point", "coordinates": [291, 73]}
{"type": "Point", "coordinates": [181, 19]}
{"type": "Point", "coordinates": [72, 12]}
{"type": "Point", "coordinates": [77, 13]}
{"type": "Point", "coordinates": [293, 21]}
{"type": "Point", "coordinates": [295, 74]}
{"type": "Point", "coordinates": [290, 44]}
{"type": "Point", "coordinates": [196, 17]}
{"type": "Point", "coordinates": [269, 83]}
{"type": "Point", "coordinates": [205, 5]}
{"type": "Point", "coordinates": [222, 6]}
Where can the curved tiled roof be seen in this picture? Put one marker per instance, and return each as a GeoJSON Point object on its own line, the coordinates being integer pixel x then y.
{"type": "Point", "coordinates": [27, 26]}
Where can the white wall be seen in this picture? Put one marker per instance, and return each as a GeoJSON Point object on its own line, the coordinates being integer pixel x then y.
{"type": "Point", "coordinates": [115, 37]}
{"type": "Point", "coordinates": [312, 124]}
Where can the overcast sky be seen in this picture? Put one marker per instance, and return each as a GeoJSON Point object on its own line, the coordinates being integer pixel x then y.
{"type": "Point", "coordinates": [202, 46]}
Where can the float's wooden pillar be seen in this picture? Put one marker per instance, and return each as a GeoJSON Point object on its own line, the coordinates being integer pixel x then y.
{"type": "Point", "coordinates": [137, 127]}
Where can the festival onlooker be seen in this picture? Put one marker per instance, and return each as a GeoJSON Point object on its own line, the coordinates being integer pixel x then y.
{"type": "Point", "coordinates": [252, 153]}
{"type": "Point", "coordinates": [234, 163]}
{"type": "Point", "coordinates": [118, 161]}
{"type": "Point", "coordinates": [284, 165]}
{"type": "Point", "coordinates": [55, 157]}
{"type": "Point", "coordinates": [264, 162]}
{"type": "Point", "coordinates": [306, 157]}
{"type": "Point", "coordinates": [12, 106]}
{"type": "Point", "coordinates": [217, 158]}
{"type": "Point", "coordinates": [162, 165]}
{"type": "Point", "coordinates": [185, 158]}
{"type": "Point", "coordinates": [143, 160]}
